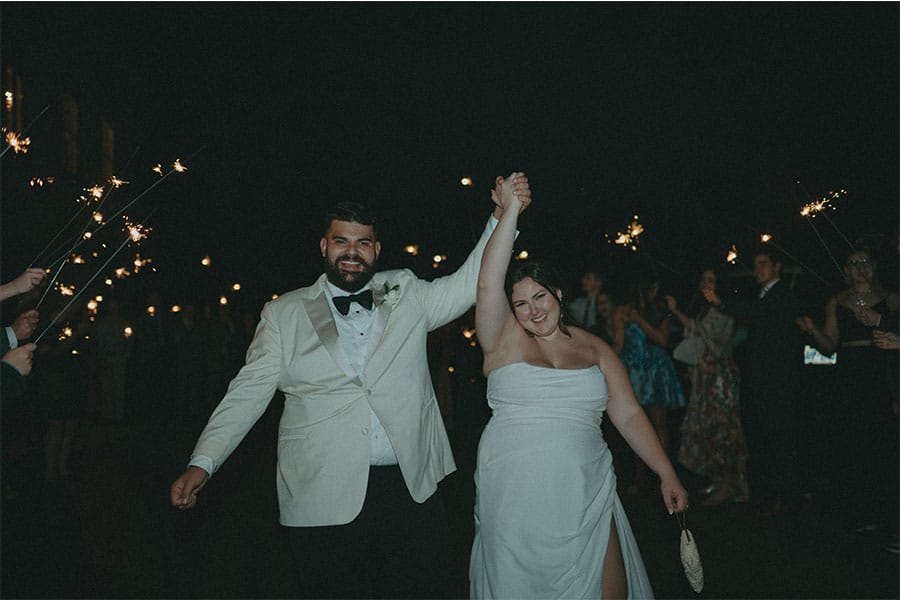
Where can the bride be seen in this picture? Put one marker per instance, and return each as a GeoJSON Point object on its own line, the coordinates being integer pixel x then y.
{"type": "Point", "coordinates": [548, 521]}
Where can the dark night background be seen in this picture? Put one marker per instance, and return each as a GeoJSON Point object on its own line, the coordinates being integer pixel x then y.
{"type": "Point", "coordinates": [700, 118]}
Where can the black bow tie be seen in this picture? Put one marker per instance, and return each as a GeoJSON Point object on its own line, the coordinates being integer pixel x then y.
{"type": "Point", "coordinates": [342, 303]}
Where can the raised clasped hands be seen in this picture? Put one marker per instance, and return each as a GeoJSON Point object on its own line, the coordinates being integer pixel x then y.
{"type": "Point", "coordinates": [512, 191]}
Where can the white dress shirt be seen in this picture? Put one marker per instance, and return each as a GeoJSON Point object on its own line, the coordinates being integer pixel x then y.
{"type": "Point", "coordinates": [765, 289]}
{"type": "Point", "coordinates": [355, 335]}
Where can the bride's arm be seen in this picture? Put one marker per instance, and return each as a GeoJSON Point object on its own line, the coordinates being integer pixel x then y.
{"type": "Point", "coordinates": [632, 422]}
{"type": "Point", "coordinates": [492, 312]}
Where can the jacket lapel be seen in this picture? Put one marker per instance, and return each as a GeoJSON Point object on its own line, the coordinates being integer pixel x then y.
{"type": "Point", "coordinates": [320, 316]}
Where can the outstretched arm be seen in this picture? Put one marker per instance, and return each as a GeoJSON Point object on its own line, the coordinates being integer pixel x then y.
{"type": "Point", "coordinates": [492, 313]}
{"type": "Point", "coordinates": [632, 422]}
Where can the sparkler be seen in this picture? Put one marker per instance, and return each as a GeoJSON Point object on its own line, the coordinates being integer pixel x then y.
{"type": "Point", "coordinates": [630, 237]}
{"type": "Point", "coordinates": [176, 167]}
{"type": "Point", "coordinates": [16, 141]}
{"type": "Point", "coordinates": [818, 207]}
{"type": "Point", "coordinates": [136, 233]}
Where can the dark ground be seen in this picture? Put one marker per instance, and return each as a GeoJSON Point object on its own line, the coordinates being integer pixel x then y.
{"type": "Point", "coordinates": [108, 531]}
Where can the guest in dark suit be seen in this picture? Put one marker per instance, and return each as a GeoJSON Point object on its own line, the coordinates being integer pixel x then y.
{"type": "Point", "coordinates": [772, 369]}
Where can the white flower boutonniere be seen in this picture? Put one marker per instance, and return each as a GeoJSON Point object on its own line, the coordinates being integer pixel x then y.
{"type": "Point", "coordinates": [391, 295]}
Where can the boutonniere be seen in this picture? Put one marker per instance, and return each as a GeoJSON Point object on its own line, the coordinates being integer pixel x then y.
{"type": "Point", "coordinates": [390, 294]}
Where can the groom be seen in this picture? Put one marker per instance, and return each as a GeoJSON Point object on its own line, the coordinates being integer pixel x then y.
{"type": "Point", "coordinates": [361, 443]}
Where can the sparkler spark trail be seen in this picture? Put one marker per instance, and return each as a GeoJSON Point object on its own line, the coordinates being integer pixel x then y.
{"type": "Point", "coordinates": [129, 239]}
{"type": "Point", "coordinates": [24, 131]}
{"type": "Point", "coordinates": [630, 237]}
{"type": "Point", "coordinates": [16, 142]}
{"type": "Point", "coordinates": [732, 255]}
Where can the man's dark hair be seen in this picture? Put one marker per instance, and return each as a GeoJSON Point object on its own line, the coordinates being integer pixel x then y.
{"type": "Point", "coordinates": [351, 212]}
{"type": "Point", "coordinates": [773, 254]}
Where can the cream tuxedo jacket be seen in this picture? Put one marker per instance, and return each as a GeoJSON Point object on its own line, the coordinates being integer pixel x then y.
{"type": "Point", "coordinates": [323, 437]}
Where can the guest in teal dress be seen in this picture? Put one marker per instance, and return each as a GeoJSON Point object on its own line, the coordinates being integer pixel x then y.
{"type": "Point", "coordinates": [641, 337]}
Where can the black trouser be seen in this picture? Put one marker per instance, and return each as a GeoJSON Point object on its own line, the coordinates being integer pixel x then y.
{"type": "Point", "coordinates": [395, 547]}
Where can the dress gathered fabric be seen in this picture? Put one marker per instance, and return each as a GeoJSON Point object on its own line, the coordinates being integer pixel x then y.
{"type": "Point", "coordinates": [546, 490]}
{"type": "Point", "coordinates": [651, 370]}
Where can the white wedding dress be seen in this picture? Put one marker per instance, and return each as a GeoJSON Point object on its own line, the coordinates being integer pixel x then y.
{"type": "Point", "coordinates": [546, 490]}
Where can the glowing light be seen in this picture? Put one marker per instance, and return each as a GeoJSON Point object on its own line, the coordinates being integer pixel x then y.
{"type": "Point", "coordinates": [128, 331]}
{"type": "Point", "coordinates": [179, 168]}
{"type": "Point", "coordinates": [206, 261]}
{"type": "Point", "coordinates": [223, 300]}
{"type": "Point", "coordinates": [732, 255]}
{"type": "Point", "coordinates": [820, 204]}
{"type": "Point", "coordinates": [175, 308]}
{"type": "Point", "coordinates": [96, 192]}
{"type": "Point", "coordinates": [412, 249]}
{"type": "Point", "coordinates": [66, 290]}
{"type": "Point", "coordinates": [77, 260]}
{"type": "Point", "coordinates": [439, 257]}
{"type": "Point", "coordinates": [764, 238]}
{"type": "Point", "coordinates": [108, 281]}
{"type": "Point", "coordinates": [121, 273]}
{"type": "Point", "coordinates": [450, 369]}
{"type": "Point", "coordinates": [18, 144]}
{"type": "Point", "coordinates": [139, 262]}
{"type": "Point", "coordinates": [116, 182]}
{"type": "Point", "coordinates": [468, 333]}
{"type": "Point", "coordinates": [630, 236]}
{"type": "Point", "coordinates": [151, 310]}
{"type": "Point", "coordinates": [236, 287]}
{"type": "Point", "coordinates": [466, 182]}
{"type": "Point", "coordinates": [274, 296]}
{"type": "Point", "coordinates": [136, 231]}
{"type": "Point", "coordinates": [522, 255]}
{"type": "Point", "coordinates": [88, 235]}
{"type": "Point", "coordinates": [92, 306]}
{"type": "Point", "coordinates": [98, 217]}
{"type": "Point", "coordinates": [158, 169]}
{"type": "Point", "coordinates": [98, 298]}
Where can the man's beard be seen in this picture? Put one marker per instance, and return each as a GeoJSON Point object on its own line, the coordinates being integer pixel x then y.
{"type": "Point", "coordinates": [349, 281]}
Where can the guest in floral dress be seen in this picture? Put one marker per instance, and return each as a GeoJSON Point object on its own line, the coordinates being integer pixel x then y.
{"type": "Point", "coordinates": [712, 439]}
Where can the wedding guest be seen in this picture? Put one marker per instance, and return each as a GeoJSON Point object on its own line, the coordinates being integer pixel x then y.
{"type": "Point", "coordinates": [61, 386]}
{"type": "Point", "coordinates": [862, 388]}
{"type": "Point", "coordinates": [548, 521]}
{"type": "Point", "coordinates": [16, 359]}
{"type": "Point", "coordinates": [112, 347]}
{"type": "Point", "coordinates": [772, 369]}
{"type": "Point", "coordinates": [712, 438]}
{"type": "Point", "coordinates": [641, 338]}
{"type": "Point", "coordinates": [361, 444]}
{"type": "Point", "coordinates": [583, 309]}
{"type": "Point", "coordinates": [604, 324]}
{"type": "Point", "coordinates": [16, 365]}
